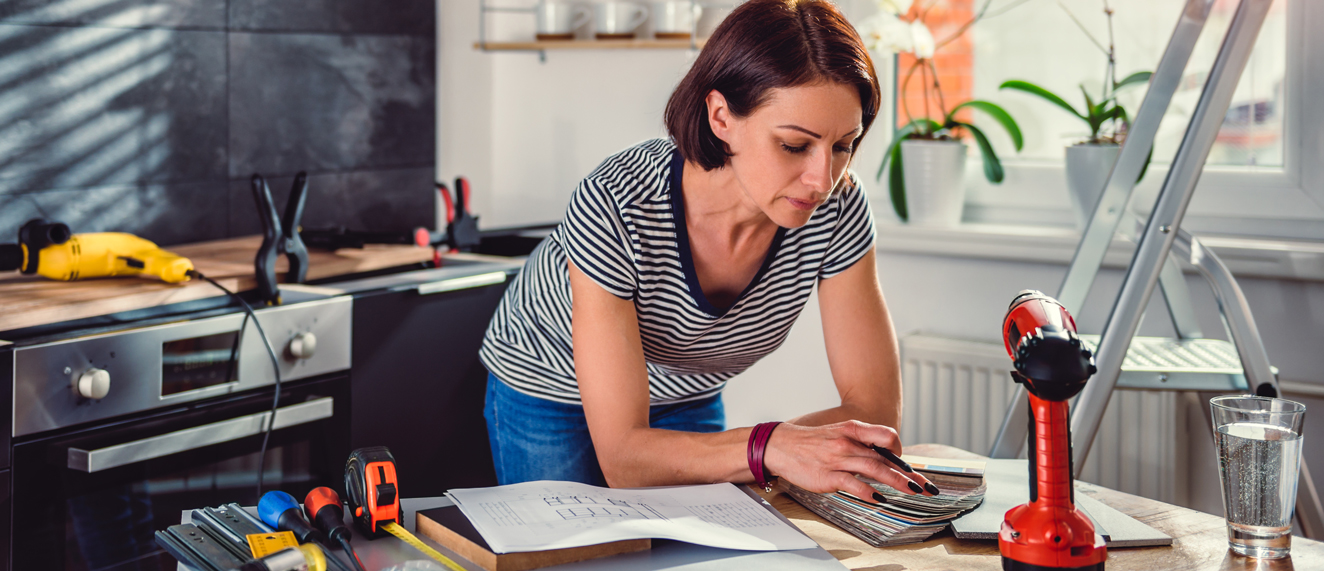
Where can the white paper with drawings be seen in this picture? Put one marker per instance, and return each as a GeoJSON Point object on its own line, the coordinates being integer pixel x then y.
{"type": "Point", "coordinates": [536, 516]}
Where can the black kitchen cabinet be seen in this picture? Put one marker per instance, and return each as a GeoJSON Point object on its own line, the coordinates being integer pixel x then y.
{"type": "Point", "coordinates": [6, 412]}
{"type": "Point", "coordinates": [6, 501]}
{"type": "Point", "coordinates": [418, 386]}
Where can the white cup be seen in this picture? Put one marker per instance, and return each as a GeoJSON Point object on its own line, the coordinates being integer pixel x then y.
{"type": "Point", "coordinates": [614, 18]}
{"type": "Point", "coordinates": [560, 18]}
{"type": "Point", "coordinates": [675, 16]}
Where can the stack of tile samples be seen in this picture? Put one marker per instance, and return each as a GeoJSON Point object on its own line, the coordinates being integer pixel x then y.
{"type": "Point", "coordinates": [902, 518]}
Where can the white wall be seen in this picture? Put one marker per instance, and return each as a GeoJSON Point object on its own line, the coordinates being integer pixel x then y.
{"type": "Point", "coordinates": [526, 131]}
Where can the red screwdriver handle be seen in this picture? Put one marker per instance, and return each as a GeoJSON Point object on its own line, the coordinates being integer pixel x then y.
{"type": "Point", "coordinates": [320, 498]}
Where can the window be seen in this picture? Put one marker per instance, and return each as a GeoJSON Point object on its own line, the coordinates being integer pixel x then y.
{"type": "Point", "coordinates": [1264, 174]}
{"type": "Point", "coordinates": [1042, 43]}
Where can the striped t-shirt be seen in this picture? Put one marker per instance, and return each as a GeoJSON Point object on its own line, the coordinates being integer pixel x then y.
{"type": "Point", "coordinates": [625, 229]}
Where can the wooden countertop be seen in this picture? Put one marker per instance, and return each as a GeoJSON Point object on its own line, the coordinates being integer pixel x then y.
{"type": "Point", "coordinates": [27, 301]}
{"type": "Point", "coordinates": [1199, 539]}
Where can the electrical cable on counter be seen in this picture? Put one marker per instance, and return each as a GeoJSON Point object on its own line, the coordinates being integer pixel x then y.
{"type": "Point", "coordinates": [353, 557]}
{"type": "Point", "coordinates": [275, 366]}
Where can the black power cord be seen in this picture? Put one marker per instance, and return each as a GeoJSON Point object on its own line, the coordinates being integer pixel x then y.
{"type": "Point", "coordinates": [349, 550]}
{"type": "Point", "coordinates": [275, 369]}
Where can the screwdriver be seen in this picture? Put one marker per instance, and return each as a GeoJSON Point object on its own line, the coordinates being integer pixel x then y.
{"type": "Point", "coordinates": [324, 509]}
{"type": "Point", "coordinates": [279, 510]}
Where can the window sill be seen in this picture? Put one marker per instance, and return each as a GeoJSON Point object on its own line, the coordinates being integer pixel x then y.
{"type": "Point", "coordinates": [1248, 257]}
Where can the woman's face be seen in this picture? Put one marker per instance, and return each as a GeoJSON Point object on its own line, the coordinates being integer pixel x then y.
{"type": "Point", "coordinates": [790, 153]}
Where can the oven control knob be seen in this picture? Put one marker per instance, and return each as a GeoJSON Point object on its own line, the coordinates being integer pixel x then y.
{"type": "Point", "coordinates": [303, 345]}
{"type": "Point", "coordinates": [94, 383]}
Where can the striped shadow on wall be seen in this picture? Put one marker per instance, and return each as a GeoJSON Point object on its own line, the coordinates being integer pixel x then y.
{"type": "Point", "coordinates": [956, 392]}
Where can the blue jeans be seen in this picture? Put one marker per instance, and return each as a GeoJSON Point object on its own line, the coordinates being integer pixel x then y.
{"type": "Point", "coordinates": [537, 439]}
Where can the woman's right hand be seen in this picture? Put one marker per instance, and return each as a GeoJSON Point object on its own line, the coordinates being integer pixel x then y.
{"type": "Point", "coordinates": [825, 459]}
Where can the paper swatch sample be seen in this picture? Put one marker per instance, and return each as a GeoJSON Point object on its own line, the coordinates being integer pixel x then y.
{"type": "Point", "coordinates": [536, 516]}
{"type": "Point", "coordinates": [903, 518]}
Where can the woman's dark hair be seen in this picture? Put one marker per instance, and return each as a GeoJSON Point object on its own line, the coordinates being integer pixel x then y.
{"type": "Point", "coordinates": [764, 45]}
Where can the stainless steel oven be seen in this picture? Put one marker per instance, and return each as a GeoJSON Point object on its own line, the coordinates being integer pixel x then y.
{"type": "Point", "coordinates": [115, 434]}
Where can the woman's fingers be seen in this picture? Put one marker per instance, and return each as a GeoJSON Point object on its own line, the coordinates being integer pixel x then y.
{"type": "Point", "coordinates": [884, 441]}
{"type": "Point", "coordinates": [844, 482]}
{"type": "Point", "coordinates": [883, 473]}
{"type": "Point", "coordinates": [873, 434]}
{"type": "Point", "coordinates": [916, 477]}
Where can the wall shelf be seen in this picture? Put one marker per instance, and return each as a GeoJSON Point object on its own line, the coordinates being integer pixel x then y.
{"type": "Point", "coordinates": [487, 10]}
{"type": "Point", "coordinates": [635, 44]}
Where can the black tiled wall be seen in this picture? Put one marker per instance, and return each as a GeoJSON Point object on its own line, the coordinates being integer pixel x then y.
{"type": "Point", "coordinates": [149, 116]}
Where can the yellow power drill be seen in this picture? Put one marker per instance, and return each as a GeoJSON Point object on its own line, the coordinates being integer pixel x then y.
{"type": "Point", "coordinates": [49, 249]}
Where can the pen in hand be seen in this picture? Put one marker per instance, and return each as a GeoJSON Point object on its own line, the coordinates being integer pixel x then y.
{"type": "Point", "coordinates": [893, 458]}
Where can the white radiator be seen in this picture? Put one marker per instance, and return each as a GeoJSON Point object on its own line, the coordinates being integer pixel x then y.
{"type": "Point", "coordinates": [956, 392]}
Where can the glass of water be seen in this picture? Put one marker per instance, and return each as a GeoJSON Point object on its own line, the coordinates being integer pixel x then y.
{"type": "Point", "coordinates": [1259, 461]}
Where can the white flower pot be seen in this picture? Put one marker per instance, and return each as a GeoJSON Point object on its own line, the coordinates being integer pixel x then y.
{"type": "Point", "coordinates": [935, 181]}
{"type": "Point", "coordinates": [1088, 166]}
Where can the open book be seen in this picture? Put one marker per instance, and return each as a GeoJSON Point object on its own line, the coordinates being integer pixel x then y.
{"type": "Point", "coordinates": [903, 518]}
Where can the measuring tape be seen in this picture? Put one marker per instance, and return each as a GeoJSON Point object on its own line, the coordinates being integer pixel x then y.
{"type": "Point", "coordinates": [374, 500]}
{"type": "Point", "coordinates": [405, 536]}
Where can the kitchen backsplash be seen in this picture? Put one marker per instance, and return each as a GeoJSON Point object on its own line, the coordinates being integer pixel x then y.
{"type": "Point", "coordinates": [149, 116]}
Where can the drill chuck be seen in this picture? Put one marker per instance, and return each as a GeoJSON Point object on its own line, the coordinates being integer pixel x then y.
{"type": "Point", "coordinates": [38, 233]}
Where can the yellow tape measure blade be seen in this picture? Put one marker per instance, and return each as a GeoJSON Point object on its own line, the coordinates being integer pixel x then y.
{"type": "Point", "coordinates": [263, 544]}
{"type": "Point", "coordinates": [414, 542]}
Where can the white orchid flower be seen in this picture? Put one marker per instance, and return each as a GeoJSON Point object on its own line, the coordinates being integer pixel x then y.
{"type": "Point", "coordinates": [921, 40]}
{"type": "Point", "coordinates": [885, 32]}
{"type": "Point", "coordinates": [897, 7]}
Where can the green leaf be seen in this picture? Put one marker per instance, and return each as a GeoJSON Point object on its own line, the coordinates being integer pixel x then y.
{"type": "Point", "coordinates": [992, 166]}
{"type": "Point", "coordinates": [896, 183]}
{"type": "Point", "coordinates": [1033, 89]}
{"type": "Point", "coordinates": [887, 155]}
{"type": "Point", "coordinates": [1137, 77]}
{"type": "Point", "coordinates": [1120, 113]}
{"type": "Point", "coordinates": [1094, 118]}
{"type": "Point", "coordinates": [930, 125]}
{"type": "Point", "coordinates": [1089, 102]}
{"type": "Point", "coordinates": [997, 113]}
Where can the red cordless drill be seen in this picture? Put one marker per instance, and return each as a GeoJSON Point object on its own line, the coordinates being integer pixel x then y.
{"type": "Point", "coordinates": [1049, 532]}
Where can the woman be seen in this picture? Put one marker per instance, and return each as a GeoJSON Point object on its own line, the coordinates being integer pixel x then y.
{"type": "Point", "coordinates": [689, 259]}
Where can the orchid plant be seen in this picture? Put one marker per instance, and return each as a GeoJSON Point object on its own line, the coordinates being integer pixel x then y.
{"type": "Point", "coordinates": [889, 32]}
{"type": "Point", "coordinates": [1107, 119]}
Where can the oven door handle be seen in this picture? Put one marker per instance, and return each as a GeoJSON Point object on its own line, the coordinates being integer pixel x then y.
{"type": "Point", "coordinates": [466, 282]}
{"type": "Point", "coordinates": [197, 437]}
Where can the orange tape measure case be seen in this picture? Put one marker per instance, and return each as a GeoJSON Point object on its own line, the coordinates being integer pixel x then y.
{"type": "Point", "coordinates": [371, 490]}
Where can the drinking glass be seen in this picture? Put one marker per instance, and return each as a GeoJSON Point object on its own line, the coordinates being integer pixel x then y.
{"type": "Point", "coordinates": [1259, 461]}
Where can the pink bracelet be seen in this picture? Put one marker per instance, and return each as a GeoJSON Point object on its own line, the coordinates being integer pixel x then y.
{"type": "Point", "coordinates": [758, 444]}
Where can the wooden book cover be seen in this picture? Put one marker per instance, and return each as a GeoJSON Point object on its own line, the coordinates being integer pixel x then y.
{"type": "Point", "coordinates": [449, 527]}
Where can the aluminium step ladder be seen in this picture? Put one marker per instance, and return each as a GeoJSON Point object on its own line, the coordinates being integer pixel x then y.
{"type": "Point", "coordinates": [1188, 362]}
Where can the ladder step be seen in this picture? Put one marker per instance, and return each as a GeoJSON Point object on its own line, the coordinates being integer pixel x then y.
{"type": "Point", "coordinates": [1166, 364]}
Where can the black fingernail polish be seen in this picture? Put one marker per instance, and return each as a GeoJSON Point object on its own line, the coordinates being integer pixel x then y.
{"type": "Point", "coordinates": [931, 488]}
{"type": "Point", "coordinates": [879, 498]}
{"type": "Point", "coordinates": [915, 487]}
